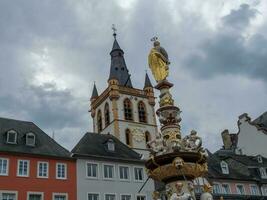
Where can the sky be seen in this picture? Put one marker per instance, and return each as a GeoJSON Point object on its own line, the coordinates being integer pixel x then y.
{"type": "Point", "coordinates": [51, 52]}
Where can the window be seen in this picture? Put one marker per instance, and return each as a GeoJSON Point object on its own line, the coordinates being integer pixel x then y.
{"type": "Point", "coordinates": [35, 196]}
{"type": "Point", "coordinates": [140, 197]}
{"type": "Point", "coordinates": [11, 137]}
{"type": "Point", "coordinates": [224, 167]}
{"type": "Point", "coordinates": [125, 197]}
{"type": "Point", "coordinates": [142, 112]}
{"type": "Point", "coordinates": [99, 121]}
{"type": "Point", "coordinates": [240, 189]}
{"type": "Point", "coordinates": [3, 166]}
{"type": "Point", "coordinates": [111, 145]}
{"type": "Point", "coordinates": [108, 171]}
{"type": "Point", "coordinates": [128, 137]}
{"type": "Point", "coordinates": [42, 170]}
{"type": "Point", "coordinates": [226, 188]}
{"type": "Point", "coordinates": [61, 171]}
{"type": "Point", "coordinates": [110, 197]}
{"type": "Point", "coordinates": [30, 139]}
{"type": "Point", "coordinates": [216, 188]}
{"type": "Point", "coordinates": [92, 196]}
{"type": "Point", "coordinates": [128, 114]}
{"type": "Point", "coordinates": [59, 196]}
{"type": "Point", "coordinates": [92, 170]}
{"type": "Point", "coordinates": [263, 172]}
{"type": "Point", "coordinates": [254, 190]}
{"type": "Point", "coordinates": [138, 174]}
{"type": "Point", "coordinates": [264, 190]}
{"type": "Point", "coordinates": [259, 158]}
{"type": "Point", "coordinates": [107, 117]}
{"type": "Point", "coordinates": [23, 168]}
{"type": "Point", "coordinates": [147, 137]}
{"type": "Point", "coordinates": [124, 172]}
{"type": "Point", "coordinates": [8, 195]}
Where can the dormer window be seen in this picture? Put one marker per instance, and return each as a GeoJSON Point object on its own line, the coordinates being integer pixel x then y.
{"type": "Point", "coordinates": [111, 145]}
{"type": "Point", "coordinates": [30, 139]}
{"type": "Point", "coordinates": [11, 137]}
{"type": "Point", "coordinates": [263, 173]}
{"type": "Point", "coordinates": [259, 158]}
{"type": "Point", "coordinates": [224, 167]}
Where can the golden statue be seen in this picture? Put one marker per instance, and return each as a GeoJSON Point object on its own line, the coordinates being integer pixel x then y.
{"type": "Point", "coordinates": [158, 61]}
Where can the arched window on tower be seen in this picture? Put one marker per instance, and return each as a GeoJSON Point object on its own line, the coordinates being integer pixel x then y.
{"type": "Point", "coordinates": [107, 117]}
{"type": "Point", "coordinates": [142, 112]}
{"type": "Point", "coordinates": [99, 121]}
{"type": "Point", "coordinates": [147, 137]}
{"type": "Point", "coordinates": [128, 137]}
{"type": "Point", "coordinates": [128, 111]}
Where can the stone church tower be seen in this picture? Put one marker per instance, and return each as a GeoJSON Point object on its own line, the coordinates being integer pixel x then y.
{"type": "Point", "coordinates": [124, 111]}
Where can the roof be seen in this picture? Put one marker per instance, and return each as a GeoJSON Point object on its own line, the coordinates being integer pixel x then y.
{"type": "Point", "coordinates": [241, 167]}
{"type": "Point", "coordinates": [261, 121]}
{"type": "Point", "coordinates": [118, 68]}
{"type": "Point", "coordinates": [45, 146]}
{"type": "Point", "coordinates": [94, 145]}
{"type": "Point", "coordinates": [94, 93]}
{"type": "Point", "coordinates": [147, 82]}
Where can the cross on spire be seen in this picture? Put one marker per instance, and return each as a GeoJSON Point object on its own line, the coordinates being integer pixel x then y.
{"type": "Point", "coordinates": [114, 30]}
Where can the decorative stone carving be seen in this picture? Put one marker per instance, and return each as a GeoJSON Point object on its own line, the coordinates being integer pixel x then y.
{"type": "Point", "coordinates": [179, 194]}
{"type": "Point", "coordinates": [192, 142]}
{"type": "Point", "coordinates": [138, 134]}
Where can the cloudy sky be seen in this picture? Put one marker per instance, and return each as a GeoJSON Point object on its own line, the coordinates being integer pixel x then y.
{"type": "Point", "coordinates": [51, 52]}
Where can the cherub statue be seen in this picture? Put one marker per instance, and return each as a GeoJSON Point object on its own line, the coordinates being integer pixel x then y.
{"type": "Point", "coordinates": [207, 193]}
{"type": "Point", "coordinates": [179, 194]}
{"type": "Point", "coordinates": [158, 61]}
{"type": "Point", "coordinates": [157, 145]}
{"type": "Point", "coordinates": [192, 142]}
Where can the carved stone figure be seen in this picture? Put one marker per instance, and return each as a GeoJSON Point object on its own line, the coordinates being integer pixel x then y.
{"type": "Point", "coordinates": [158, 61]}
{"type": "Point", "coordinates": [178, 162]}
{"type": "Point", "coordinates": [157, 145]}
{"type": "Point", "coordinates": [207, 193]}
{"type": "Point", "coordinates": [179, 194]}
{"type": "Point", "coordinates": [192, 142]}
{"type": "Point", "coordinates": [156, 195]}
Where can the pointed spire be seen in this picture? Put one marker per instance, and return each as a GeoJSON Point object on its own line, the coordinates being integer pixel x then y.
{"type": "Point", "coordinates": [147, 82]}
{"type": "Point", "coordinates": [118, 68]}
{"type": "Point", "coordinates": [94, 93]}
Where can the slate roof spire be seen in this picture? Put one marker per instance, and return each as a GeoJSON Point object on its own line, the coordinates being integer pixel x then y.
{"type": "Point", "coordinates": [147, 82]}
{"type": "Point", "coordinates": [94, 93]}
{"type": "Point", "coordinates": [118, 68]}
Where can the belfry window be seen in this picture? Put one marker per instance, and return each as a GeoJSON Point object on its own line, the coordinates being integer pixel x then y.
{"type": "Point", "coordinates": [128, 137]}
{"type": "Point", "coordinates": [142, 112]}
{"type": "Point", "coordinates": [107, 117]}
{"type": "Point", "coordinates": [99, 121]}
{"type": "Point", "coordinates": [128, 113]}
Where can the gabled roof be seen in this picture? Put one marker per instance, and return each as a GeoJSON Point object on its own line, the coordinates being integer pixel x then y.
{"type": "Point", "coordinates": [261, 121]}
{"type": "Point", "coordinates": [94, 93]}
{"type": "Point", "coordinates": [45, 146]}
{"type": "Point", "coordinates": [147, 82]}
{"type": "Point", "coordinates": [94, 145]}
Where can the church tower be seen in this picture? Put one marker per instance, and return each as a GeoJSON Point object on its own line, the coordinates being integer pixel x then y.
{"type": "Point", "coordinates": [124, 111]}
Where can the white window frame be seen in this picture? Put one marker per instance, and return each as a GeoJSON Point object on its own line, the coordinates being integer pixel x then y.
{"type": "Point", "coordinates": [137, 180]}
{"type": "Point", "coordinates": [16, 137]}
{"type": "Point", "coordinates": [63, 194]}
{"type": "Point", "coordinates": [129, 173]}
{"type": "Point", "coordinates": [97, 171]}
{"type": "Point", "coordinates": [223, 192]}
{"type": "Point", "coordinates": [131, 196]}
{"type": "Point", "coordinates": [140, 195]}
{"type": "Point", "coordinates": [7, 166]}
{"type": "Point", "coordinates": [34, 139]}
{"type": "Point", "coordinates": [110, 194]}
{"type": "Point", "coordinates": [28, 168]}
{"type": "Point", "coordinates": [243, 188]}
{"type": "Point", "coordinates": [93, 193]}
{"type": "Point", "coordinates": [9, 192]}
{"type": "Point", "coordinates": [250, 189]}
{"type": "Point", "coordinates": [264, 190]}
{"type": "Point", "coordinates": [42, 162]}
{"type": "Point", "coordinates": [259, 158]}
{"type": "Point", "coordinates": [220, 188]}
{"type": "Point", "coordinates": [108, 164]}
{"type": "Point", "coordinates": [66, 172]}
{"type": "Point", "coordinates": [263, 172]}
{"type": "Point", "coordinates": [226, 169]}
{"type": "Point", "coordinates": [30, 192]}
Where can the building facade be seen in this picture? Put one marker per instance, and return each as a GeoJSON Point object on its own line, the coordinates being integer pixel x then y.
{"type": "Point", "coordinates": [107, 169]}
{"type": "Point", "coordinates": [32, 165]}
{"type": "Point", "coordinates": [124, 111]}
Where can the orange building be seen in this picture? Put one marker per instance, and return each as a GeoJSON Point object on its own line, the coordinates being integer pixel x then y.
{"type": "Point", "coordinates": [32, 165]}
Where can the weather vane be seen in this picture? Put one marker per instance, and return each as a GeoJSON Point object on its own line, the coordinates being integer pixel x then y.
{"type": "Point", "coordinates": [114, 30]}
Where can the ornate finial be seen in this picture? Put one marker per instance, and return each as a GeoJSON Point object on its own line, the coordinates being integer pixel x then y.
{"type": "Point", "coordinates": [114, 30]}
{"type": "Point", "coordinates": [154, 39]}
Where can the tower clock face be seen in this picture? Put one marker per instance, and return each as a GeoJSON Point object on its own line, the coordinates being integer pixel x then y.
{"type": "Point", "coordinates": [138, 134]}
